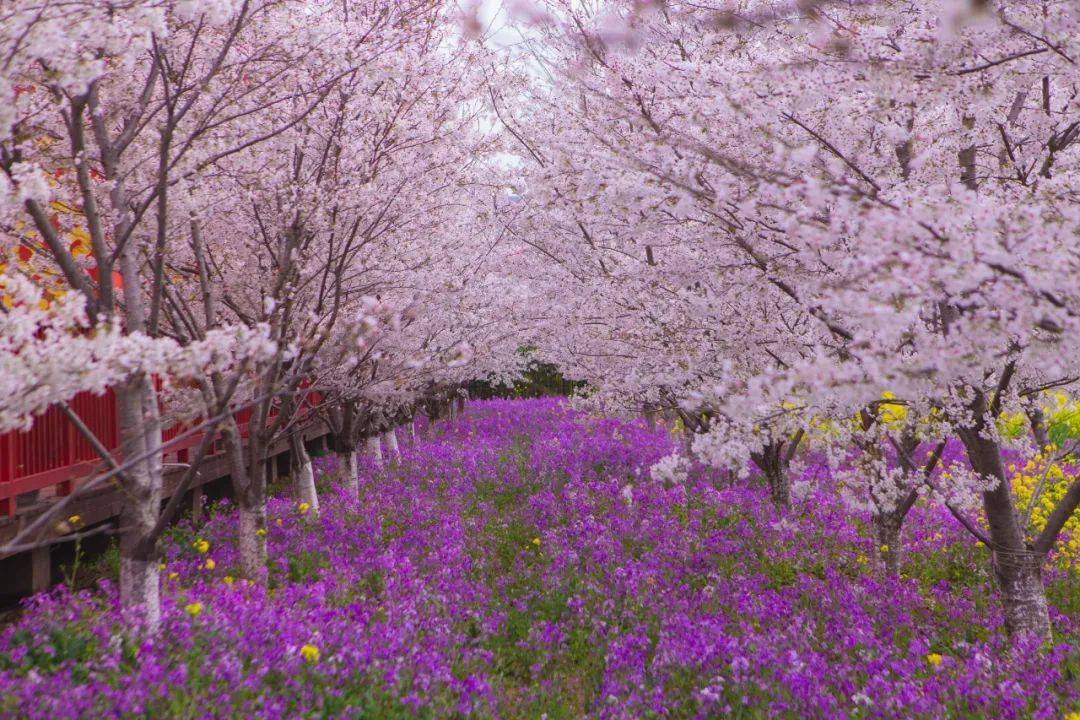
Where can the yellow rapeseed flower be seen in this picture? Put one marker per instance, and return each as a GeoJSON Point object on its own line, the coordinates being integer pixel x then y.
{"type": "Point", "coordinates": [892, 413]}
{"type": "Point", "coordinates": [934, 660]}
{"type": "Point", "coordinates": [1047, 478]}
{"type": "Point", "coordinates": [536, 541]}
{"type": "Point", "coordinates": [75, 519]}
{"type": "Point", "coordinates": [201, 546]}
{"type": "Point", "coordinates": [229, 580]}
{"type": "Point", "coordinates": [174, 575]}
{"type": "Point", "coordinates": [210, 564]}
{"type": "Point", "coordinates": [884, 548]}
{"type": "Point", "coordinates": [261, 532]}
{"type": "Point", "coordinates": [303, 507]}
{"type": "Point", "coordinates": [310, 653]}
{"type": "Point", "coordinates": [193, 609]}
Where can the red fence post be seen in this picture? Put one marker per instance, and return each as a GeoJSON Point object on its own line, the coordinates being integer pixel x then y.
{"type": "Point", "coordinates": [7, 471]}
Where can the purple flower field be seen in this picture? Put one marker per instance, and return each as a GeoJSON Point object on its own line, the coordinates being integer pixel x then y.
{"type": "Point", "coordinates": [521, 563]}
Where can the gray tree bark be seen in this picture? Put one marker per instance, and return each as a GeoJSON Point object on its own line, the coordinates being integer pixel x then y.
{"type": "Point", "coordinates": [1017, 568]}
{"type": "Point", "coordinates": [374, 449]}
{"type": "Point", "coordinates": [304, 474]}
{"type": "Point", "coordinates": [347, 473]}
{"type": "Point", "coordinates": [390, 437]}
{"type": "Point", "coordinates": [140, 436]}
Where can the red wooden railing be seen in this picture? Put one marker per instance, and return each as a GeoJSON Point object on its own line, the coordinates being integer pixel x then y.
{"type": "Point", "coordinates": [53, 454]}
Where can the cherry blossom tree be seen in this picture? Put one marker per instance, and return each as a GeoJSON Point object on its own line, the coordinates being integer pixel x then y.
{"type": "Point", "coordinates": [132, 196]}
{"type": "Point", "coordinates": [896, 180]}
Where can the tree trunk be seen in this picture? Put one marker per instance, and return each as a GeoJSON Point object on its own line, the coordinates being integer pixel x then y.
{"type": "Point", "coordinates": [348, 473]}
{"type": "Point", "coordinates": [650, 419]}
{"type": "Point", "coordinates": [773, 464]}
{"type": "Point", "coordinates": [140, 584]}
{"type": "Point", "coordinates": [1038, 427]}
{"type": "Point", "coordinates": [249, 487]}
{"type": "Point", "coordinates": [251, 541]}
{"type": "Point", "coordinates": [887, 527]}
{"type": "Point", "coordinates": [304, 474]}
{"type": "Point", "coordinates": [374, 449]}
{"type": "Point", "coordinates": [688, 442]}
{"type": "Point", "coordinates": [390, 436]}
{"type": "Point", "coordinates": [779, 487]}
{"type": "Point", "coordinates": [1023, 594]}
{"type": "Point", "coordinates": [1017, 568]}
{"type": "Point", "coordinates": [140, 436]}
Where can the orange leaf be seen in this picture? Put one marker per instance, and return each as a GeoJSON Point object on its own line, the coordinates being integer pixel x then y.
{"type": "Point", "coordinates": [79, 248]}
{"type": "Point", "coordinates": [118, 281]}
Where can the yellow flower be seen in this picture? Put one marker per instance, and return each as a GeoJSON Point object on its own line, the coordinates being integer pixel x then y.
{"type": "Point", "coordinates": [861, 559]}
{"type": "Point", "coordinates": [210, 564]}
{"type": "Point", "coordinates": [261, 532]}
{"type": "Point", "coordinates": [536, 541]}
{"type": "Point", "coordinates": [303, 507]}
{"type": "Point", "coordinates": [194, 609]}
{"type": "Point", "coordinates": [934, 659]}
{"type": "Point", "coordinates": [1051, 482]}
{"type": "Point", "coordinates": [310, 653]}
{"type": "Point", "coordinates": [229, 580]}
{"type": "Point", "coordinates": [892, 413]}
{"type": "Point", "coordinates": [161, 565]}
{"type": "Point", "coordinates": [278, 521]}
{"type": "Point", "coordinates": [201, 546]}
{"type": "Point", "coordinates": [75, 519]}
{"type": "Point", "coordinates": [174, 575]}
{"type": "Point", "coordinates": [1073, 716]}
{"type": "Point", "coordinates": [884, 548]}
